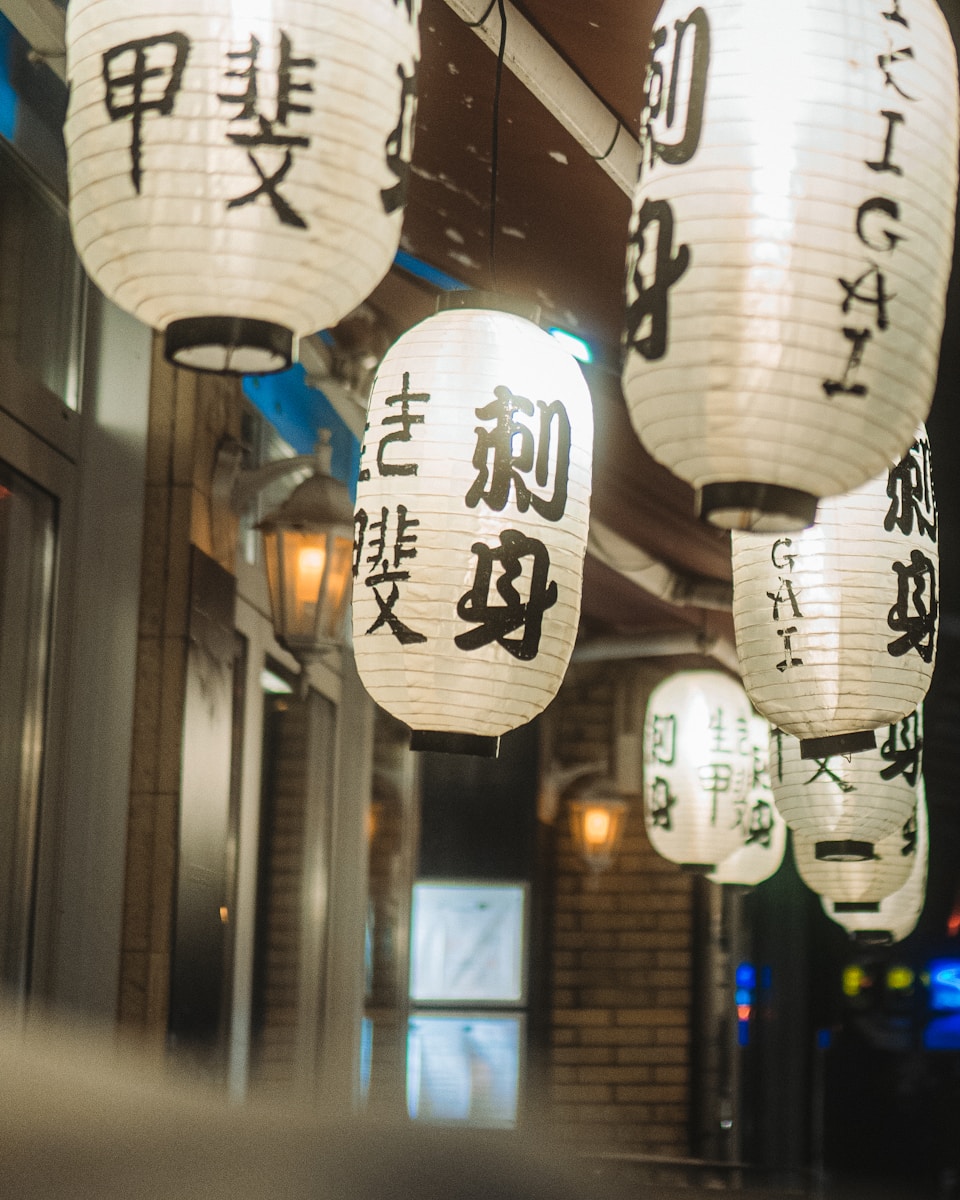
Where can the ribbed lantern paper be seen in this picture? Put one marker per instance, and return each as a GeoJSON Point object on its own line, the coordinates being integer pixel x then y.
{"type": "Point", "coordinates": [893, 917]}
{"type": "Point", "coordinates": [238, 169]}
{"type": "Point", "coordinates": [790, 246]}
{"type": "Point", "coordinates": [844, 805]}
{"type": "Point", "coordinates": [471, 525]}
{"type": "Point", "coordinates": [836, 625]}
{"type": "Point", "coordinates": [697, 767]}
{"type": "Point", "coordinates": [860, 883]}
{"type": "Point", "coordinates": [763, 831]}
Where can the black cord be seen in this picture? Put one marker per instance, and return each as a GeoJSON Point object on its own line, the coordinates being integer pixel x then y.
{"type": "Point", "coordinates": [609, 150]}
{"type": "Point", "coordinates": [476, 24]}
{"type": "Point", "coordinates": [495, 137]}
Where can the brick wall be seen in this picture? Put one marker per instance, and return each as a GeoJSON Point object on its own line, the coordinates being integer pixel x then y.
{"type": "Point", "coordinates": [622, 969]}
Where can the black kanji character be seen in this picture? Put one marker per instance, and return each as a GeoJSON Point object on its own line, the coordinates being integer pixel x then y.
{"type": "Point", "coordinates": [914, 615]}
{"type": "Point", "coordinates": [647, 304]}
{"type": "Point", "coordinates": [687, 142]}
{"type": "Point", "coordinates": [404, 547]}
{"type": "Point", "coordinates": [760, 829]}
{"type": "Point", "coordinates": [664, 739]}
{"type": "Point", "coordinates": [267, 134]}
{"type": "Point", "coordinates": [406, 420]}
{"type": "Point", "coordinates": [886, 61]}
{"type": "Point", "coordinates": [142, 98]}
{"type": "Point", "coordinates": [497, 621]}
{"type": "Point", "coordinates": [511, 445]}
{"type": "Point", "coordinates": [715, 779]}
{"type": "Point", "coordinates": [399, 145]}
{"type": "Point", "coordinates": [661, 802]}
{"type": "Point", "coordinates": [824, 769]}
{"type": "Point", "coordinates": [910, 834]}
{"type": "Point", "coordinates": [910, 488]}
{"type": "Point", "coordinates": [903, 749]}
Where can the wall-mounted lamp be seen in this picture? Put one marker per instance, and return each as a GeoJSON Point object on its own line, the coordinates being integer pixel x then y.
{"type": "Point", "coordinates": [597, 824]}
{"type": "Point", "coordinates": [307, 545]}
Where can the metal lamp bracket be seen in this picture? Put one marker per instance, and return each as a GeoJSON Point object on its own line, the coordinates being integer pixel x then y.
{"type": "Point", "coordinates": [235, 487]}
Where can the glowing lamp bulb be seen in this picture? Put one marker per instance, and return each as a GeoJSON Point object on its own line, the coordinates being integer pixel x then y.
{"type": "Point", "coordinates": [310, 563]}
{"type": "Point", "coordinates": [596, 826]}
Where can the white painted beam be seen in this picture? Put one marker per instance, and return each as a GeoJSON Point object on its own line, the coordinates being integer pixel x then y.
{"type": "Point", "coordinates": [41, 23]}
{"type": "Point", "coordinates": [558, 88]}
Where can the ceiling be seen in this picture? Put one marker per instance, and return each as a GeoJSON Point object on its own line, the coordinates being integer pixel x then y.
{"type": "Point", "coordinates": [560, 229]}
{"type": "Point", "coordinates": [559, 223]}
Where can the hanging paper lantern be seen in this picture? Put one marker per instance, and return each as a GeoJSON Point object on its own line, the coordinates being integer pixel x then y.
{"type": "Point", "coordinates": [238, 170]}
{"type": "Point", "coordinates": [790, 246]}
{"type": "Point", "coordinates": [697, 767]}
{"type": "Point", "coordinates": [844, 805]}
{"type": "Point", "coordinates": [471, 525]}
{"type": "Point", "coordinates": [866, 882]}
{"type": "Point", "coordinates": [893, 917]}
{"type": "Point", "coordinates": [836, 625]}
{"type": "Point", "coordinates": [763, 831]}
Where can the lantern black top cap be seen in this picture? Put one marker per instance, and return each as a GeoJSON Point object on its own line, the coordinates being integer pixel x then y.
{"type": "Point", "coordinates": [496, 301]}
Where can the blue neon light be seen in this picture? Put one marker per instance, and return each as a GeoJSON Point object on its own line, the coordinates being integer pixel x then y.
{"type": "Point", "coordinates": [942, 1033]}
{"type": "Point", "coordinates": [746, 977]}
{"type": "Point", "coordinates": [575, 346]}
{"type": "Point", "coordinates": [432, 275]}
{"type": "Point", "coordinates": [945, 984]}
{"type": "Point", "coordinates": [8, 97]}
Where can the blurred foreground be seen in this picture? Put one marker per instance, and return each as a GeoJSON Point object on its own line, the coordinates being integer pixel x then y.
{"type": "Point", "coordinates": [84, 1116]}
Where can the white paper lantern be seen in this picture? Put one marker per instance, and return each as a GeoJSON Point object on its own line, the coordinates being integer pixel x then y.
{"type": "Point", "coordinates": [865, 882]}
{"type": "Point", "coordinates": [763, 831]}
{"type": "Point", "coordinates": [237, 169]}
{"type": "Point", "coordinates": [844, 805]}
{"type": "Point", "coordinates": [894, 917]}
{"type": "Point", "coordinates": [790, 246]}
{"type": "Point", "coordinates": [697, 767]}
{"type": "Point", "coordinates": [836, 625]}
{"type": "Point", "coordinates": [472, 514]}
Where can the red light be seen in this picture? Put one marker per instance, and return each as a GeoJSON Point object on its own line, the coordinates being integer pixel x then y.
{"type": "Point", "coordinates": [953, 921]}
{"type": "Point", "coordinates": [743, 1012]}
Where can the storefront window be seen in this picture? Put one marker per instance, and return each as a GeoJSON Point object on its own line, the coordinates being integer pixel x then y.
{"type": "Point", "coordinates": [40, 285]}
{"type": "Point", "coordinates": [27, 540]}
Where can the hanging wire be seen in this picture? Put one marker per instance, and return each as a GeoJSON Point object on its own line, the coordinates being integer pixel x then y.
{"type": "Point", "coordinates": [495, 139]}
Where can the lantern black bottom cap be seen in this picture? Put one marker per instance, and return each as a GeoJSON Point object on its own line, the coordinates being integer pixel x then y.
{"type": "Point", "coordinates": [844, 851]}
{"type": "Point", "coordinates": [698, 868]}
{"type": "Point", "coordinates": [762, 507]}
{"type": "Point", "coordinates": [838, 743]}
{"type": "Point", "coordinates": [228, 345]}
{"type": "Point", "coordinates": [856, 906]}
{"type": "Point", "coordinates": [440, 742]}
{"type": "Point", "coordinates": [873, 937]}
